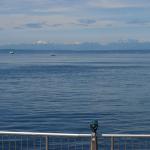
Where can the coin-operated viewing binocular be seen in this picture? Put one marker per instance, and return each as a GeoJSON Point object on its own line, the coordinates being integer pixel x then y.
{"type": "Point", "coordinates": [94, 126]}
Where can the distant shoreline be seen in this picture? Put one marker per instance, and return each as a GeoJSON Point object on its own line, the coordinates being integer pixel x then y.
{"type": "Point", "coordinates": [75, 50]}
{"type": "Point", "coordinates": [87, 46]}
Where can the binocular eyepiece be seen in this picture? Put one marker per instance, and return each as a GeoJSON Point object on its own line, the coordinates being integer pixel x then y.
{"type": "Point", "coordinates": [94, 126]}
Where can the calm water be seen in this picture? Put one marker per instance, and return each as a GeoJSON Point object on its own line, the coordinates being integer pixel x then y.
{"type": "Point", "coordinates": [63, 93]}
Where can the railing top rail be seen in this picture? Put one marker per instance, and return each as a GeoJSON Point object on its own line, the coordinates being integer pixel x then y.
{"type": "Point", "coordinates": [126, 135]}
{"type": "Point", "coordinates": [44, 134]}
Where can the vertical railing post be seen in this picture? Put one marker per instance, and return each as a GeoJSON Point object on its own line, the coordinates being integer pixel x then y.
{"type": "Point", "coordinates": [94, 145]}
{"type": "Point", "coordinates": [46, 143]}
{"type": "Point", "coordinates": [112, 143]}
{"type": "Point", "coordinates": [94, 126]}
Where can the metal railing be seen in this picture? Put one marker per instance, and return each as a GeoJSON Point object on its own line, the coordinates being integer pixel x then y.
{"type": "Point", "coordinates": [124, 142]}
{"type": "Point", "coordinates": [66, 141]}
{"type": "Point", "coordinates": [43, 141]}
{"type": "Point", "coordinates": [49, 141]}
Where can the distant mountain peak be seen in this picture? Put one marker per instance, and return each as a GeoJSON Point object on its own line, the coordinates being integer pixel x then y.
{"type": "Point", "coordinates": [40, 42]}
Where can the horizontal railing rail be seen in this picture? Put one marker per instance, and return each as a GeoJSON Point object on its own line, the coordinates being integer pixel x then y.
{"type": "Point", "coordinates": [126, 135]}
{"type": "Point", "coordinates": [44, 134]}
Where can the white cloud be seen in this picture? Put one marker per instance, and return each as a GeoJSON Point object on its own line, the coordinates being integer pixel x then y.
{"type": "Point", "coordinates": [66, 19]}
{"type": "Point", "coordinates": [13, 21]}
{"type": "Point", "coordinates": [116, 3]}
{"type": "Point", "coordinates": [32, 22]}
{"type": "Point", "coordinates": [37, 6]}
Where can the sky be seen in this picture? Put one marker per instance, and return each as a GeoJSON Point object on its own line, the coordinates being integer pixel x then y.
{"type": "Point", "coordinates": [74, 21]}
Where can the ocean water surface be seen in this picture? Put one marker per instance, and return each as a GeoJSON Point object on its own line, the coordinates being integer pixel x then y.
{"type": "Point", "coordinates": [63, 91]}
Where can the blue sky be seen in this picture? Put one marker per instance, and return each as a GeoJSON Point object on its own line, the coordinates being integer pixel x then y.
{"type": "Point", "coordinates": [74, 21]}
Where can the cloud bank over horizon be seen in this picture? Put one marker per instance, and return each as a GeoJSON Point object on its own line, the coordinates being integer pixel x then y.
{"type": "Point", "coordinates": [67, 21]}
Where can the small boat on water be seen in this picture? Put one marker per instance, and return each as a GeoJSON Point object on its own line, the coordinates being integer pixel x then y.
{"type": "Point", "coordinates": [11, 52]}
{"type": "Point", "coordinates": [53, 55]}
